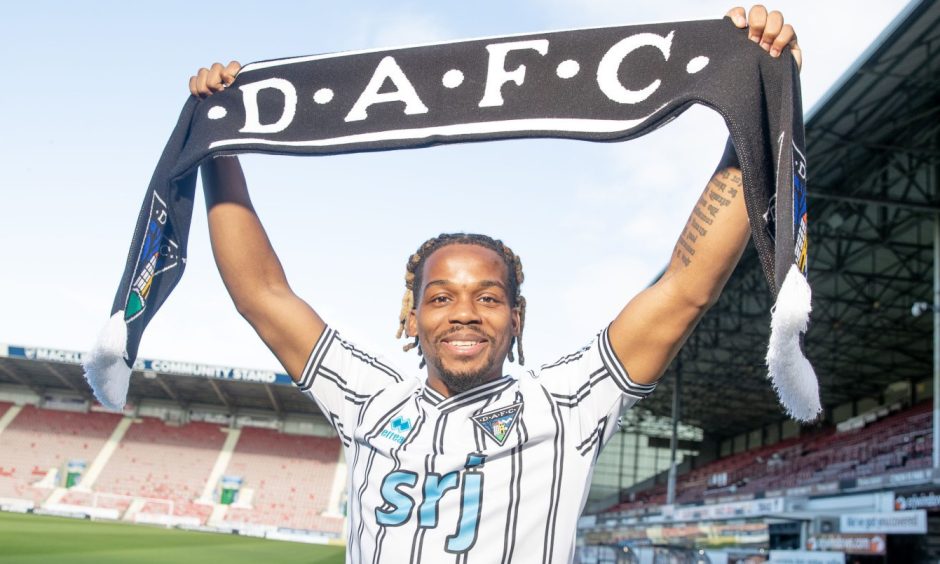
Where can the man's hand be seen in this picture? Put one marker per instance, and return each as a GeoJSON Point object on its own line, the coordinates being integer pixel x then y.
{"type": "Point", "coordinates": [767, 30]}
{"type": "Point", "coordinates": [214, 79]}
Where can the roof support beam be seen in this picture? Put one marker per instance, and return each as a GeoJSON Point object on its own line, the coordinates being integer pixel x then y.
{"type": "Point", "coordinates": [894, 204]}
{"type": "Point", "coordinates": [274, 403]}
{"type": "Point", "coordinates": [65, 381]}
{"type": "Point", "coordinates": [221, 395]}
{"type": "Point", "coordinates": [22, 381]}
{"type": "Point", "coordinates": [169, 390]}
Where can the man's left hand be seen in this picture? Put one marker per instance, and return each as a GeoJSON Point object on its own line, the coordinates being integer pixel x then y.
{"type": "Point", "coordinates": [767, 30]}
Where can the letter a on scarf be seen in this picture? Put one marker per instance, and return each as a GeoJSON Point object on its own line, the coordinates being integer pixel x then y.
{"type": "Point", "coordinates": [604, 84]}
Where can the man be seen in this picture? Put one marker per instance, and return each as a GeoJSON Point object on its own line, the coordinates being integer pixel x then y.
{"type": "Point", "coordinates": [468, 462]}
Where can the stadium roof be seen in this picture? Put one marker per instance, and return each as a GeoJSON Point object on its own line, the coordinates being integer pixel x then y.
{"type": "Point", "coordinates": [235, 389]}
{"type": "Point", "coordinates": [874, 161]}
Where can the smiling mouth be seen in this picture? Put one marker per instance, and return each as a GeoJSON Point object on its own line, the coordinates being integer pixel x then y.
{"type": "Point", "coordinates": [464, 346]}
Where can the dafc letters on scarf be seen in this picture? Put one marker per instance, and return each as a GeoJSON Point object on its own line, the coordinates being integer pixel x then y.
{"type": "Point", "coordinates": [605, 84]}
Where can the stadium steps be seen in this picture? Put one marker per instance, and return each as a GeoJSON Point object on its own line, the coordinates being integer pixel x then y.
{"type": "Point", "coordinates": [292, 477]}
{"type": "Point", "coordinates": [169, 462]}
{"type": "Point", "coordinates": [221, 463]}
{"type": "Point", "coordinates": [9, 413]}
{"type": "Point", "coordinates": [217, 516]}
{"type": "Point", "coordinates": [133, 509]}
{"type": "Point", "coordinates": [91, 475]}
{"type": "Point", "coordinates": [339, 485]}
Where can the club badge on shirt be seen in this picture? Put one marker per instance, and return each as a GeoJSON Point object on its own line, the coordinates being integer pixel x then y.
{"type": "Point", "coordinates": [498, 423]}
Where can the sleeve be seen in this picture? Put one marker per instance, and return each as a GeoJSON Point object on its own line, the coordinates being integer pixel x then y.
{"type": "Point", "coordinates": [341, 379]}
{"type": "Point", "coordinates": [593, 386]}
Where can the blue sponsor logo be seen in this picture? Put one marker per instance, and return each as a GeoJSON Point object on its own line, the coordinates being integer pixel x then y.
{"type": "Point", "coordinates": [402, 494]}
{"type": "Point", "coordinates": [397, 429]}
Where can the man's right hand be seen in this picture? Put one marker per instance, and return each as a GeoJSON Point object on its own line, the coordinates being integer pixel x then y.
{"type": "Point", "coordinates": [214, 79]}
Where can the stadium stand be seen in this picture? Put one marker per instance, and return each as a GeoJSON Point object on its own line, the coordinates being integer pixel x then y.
{"type": "Point", "coordinates": [39, 442]}
{"type": "Point", "coordinates": [891, 440]}
{"type": "Point", "coordinates": [189, 430]}
{"type": "Point", "coordinates": [287, 478]}
{"type": "Point", "coordinates": [157, 460]}
{"type": "Point", "coordinates": [290, 476]}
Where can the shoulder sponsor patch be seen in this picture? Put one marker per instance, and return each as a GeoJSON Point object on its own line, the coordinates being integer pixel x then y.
{"type": "Point", "coordinates": [498, 423]}
{"type": "Point", "coordinates": [397, 429]}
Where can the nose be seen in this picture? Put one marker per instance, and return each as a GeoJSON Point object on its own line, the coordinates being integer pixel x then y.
{"type": "Point", "coordinates": [465, 312]}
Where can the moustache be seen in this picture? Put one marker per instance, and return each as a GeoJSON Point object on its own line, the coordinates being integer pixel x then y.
{"type": "Point", "coordinates": [467, 329]}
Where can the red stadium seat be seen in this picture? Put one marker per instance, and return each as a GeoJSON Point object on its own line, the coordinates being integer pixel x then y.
{"type": "Point", "coordinates": [901, 440]}
{"type": "Point", "coordinates": [38, 441]}
{"type": "Point", "coordinates": [280, 467]}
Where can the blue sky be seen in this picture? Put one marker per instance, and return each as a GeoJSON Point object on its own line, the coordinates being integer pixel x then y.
{"type": "Point", "coordinates": [91, 91]}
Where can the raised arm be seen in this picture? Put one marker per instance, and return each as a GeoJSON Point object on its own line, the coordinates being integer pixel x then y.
{"type": "Point", "coordinates": [248, 264]}
{"type": "Point", "coordinates": [652, 328]}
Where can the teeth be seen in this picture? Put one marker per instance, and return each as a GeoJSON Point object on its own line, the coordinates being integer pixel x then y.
{"type": "Point", "coordinates": [463, 343]}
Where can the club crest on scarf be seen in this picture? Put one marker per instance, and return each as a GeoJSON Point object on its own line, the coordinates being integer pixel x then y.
{"type": "Point", "coordinates": [799, 209]}
{"type": "Point", "coordinates": [498, 423]}
{"type": "Point", "coordinates": [159, 253]}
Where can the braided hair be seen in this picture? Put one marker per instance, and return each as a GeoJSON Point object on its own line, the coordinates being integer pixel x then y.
{"type": "Point", "coordinates": [415, 267]}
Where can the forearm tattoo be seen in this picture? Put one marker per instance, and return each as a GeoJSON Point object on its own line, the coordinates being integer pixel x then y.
{"type": "Point", "coordinates": [723, 188]}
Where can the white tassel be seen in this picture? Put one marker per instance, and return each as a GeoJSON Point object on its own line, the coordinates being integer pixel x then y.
{"type": "Point", "coordinates": [105, 368]}
{"type": "Point", "coordinates": [791, 374]}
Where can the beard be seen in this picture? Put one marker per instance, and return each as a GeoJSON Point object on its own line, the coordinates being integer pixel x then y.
{"type": "Point", "coordinates": [458, 382]}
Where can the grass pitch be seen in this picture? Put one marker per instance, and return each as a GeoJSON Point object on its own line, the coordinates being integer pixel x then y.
{"type": "Point", "coordinates": [54, 540]}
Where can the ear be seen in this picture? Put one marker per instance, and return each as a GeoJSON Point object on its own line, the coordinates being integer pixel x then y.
{"type": "Point", "coordinates": [516, 321]}
{"type": "Point", "coordinates": [411, 326]}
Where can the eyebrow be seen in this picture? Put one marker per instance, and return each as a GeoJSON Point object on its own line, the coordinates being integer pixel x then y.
{"type": "Point", "coordinates": [483, 284]}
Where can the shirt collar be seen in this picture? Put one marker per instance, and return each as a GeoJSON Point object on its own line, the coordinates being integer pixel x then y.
{"type": "Point", "coordinates": [468, 397]}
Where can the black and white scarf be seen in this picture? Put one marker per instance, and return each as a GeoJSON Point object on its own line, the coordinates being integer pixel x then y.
{"type": "Point", "coordinates": [603, 84]}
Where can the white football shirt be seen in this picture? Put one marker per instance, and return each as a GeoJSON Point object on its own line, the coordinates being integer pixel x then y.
{"type": "Point", "coordinates": [496, 474]}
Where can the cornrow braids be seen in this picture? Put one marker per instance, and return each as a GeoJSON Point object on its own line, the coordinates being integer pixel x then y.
{"type": "Point", "coordinates": [413, 271]}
